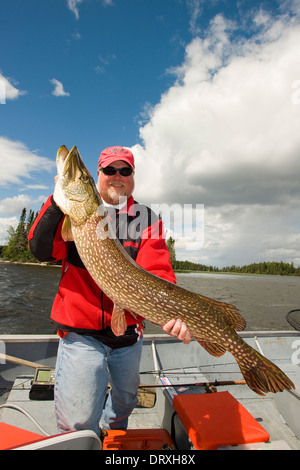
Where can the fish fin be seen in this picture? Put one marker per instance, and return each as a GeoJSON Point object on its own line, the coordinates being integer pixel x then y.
{"type": "Point", "coordinates": [212, 348]}
{"type": "Point", "coordinates": [133, 314]}
{"type": "Point", "coordinates": [264, 376]}
{"type": "Point", "coordinates": [118, 321]}
{"type": "Point", "coordinates": [230, 313]}
{"type": "Point", "coordinates": [66, 230]}
{"type": "Point", "coordinates": [234, 319]}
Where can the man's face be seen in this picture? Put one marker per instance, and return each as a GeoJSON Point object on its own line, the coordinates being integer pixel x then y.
{"type": "Point", "coordinates": [111, 188]}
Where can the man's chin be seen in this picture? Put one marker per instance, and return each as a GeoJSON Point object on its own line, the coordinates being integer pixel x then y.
{"type": "Point", "coordinates": [115, 196]}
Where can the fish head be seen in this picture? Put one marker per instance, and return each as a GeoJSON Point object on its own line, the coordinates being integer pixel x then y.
{"type": "Point", "coordinates": [75, 190]}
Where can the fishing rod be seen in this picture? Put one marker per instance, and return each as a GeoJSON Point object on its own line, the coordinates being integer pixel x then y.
{"type": "Point", "coordinates": [20, 362]}
{"type": "Point", "coordinates": [215, 383]}
{"type": "Point", "coordinates": [196, 372]}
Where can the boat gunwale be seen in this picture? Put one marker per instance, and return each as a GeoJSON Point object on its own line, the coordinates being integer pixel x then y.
{"type": "Point", "coordinates": [28, 338]}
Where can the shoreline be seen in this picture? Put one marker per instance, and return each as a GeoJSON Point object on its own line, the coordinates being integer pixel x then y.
{"type": "Point", "coordinates": [263, 301]}
{"type": "Point", "coordinates": [176, 271]}
{"type": "Point", "coordinates": [28, 263]}
{"type": "Point", "coordinates": [230, 273]}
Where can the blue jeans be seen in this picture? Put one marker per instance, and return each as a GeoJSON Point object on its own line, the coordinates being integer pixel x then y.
{"type": "Point", "coordinates": [83, 369]}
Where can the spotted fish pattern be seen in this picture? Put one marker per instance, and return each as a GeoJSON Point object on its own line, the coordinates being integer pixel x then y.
{"type": "Point", "coordinates": [213, 324]}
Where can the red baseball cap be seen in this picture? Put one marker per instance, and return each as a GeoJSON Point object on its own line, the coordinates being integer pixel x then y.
{"type": "Point", "coordinates": [112, 154]}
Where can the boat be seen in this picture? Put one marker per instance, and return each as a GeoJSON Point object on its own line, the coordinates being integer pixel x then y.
{"type": "Point", "coordinates": [188, 400]}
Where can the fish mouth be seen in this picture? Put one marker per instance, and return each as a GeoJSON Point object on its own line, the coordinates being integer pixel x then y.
{"type": "Point", "coordinates": [70, 165]}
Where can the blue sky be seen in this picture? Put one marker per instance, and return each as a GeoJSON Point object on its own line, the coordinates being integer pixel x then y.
{"type": "Point", "coordinates": [205, 93]}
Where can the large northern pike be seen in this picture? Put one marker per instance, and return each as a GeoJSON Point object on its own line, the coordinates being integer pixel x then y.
{"type": "Point", "coordinates": [213, 324]}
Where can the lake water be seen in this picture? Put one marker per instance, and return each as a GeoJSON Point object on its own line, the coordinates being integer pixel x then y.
{"type": "Point", "coordinates": [27, 293]}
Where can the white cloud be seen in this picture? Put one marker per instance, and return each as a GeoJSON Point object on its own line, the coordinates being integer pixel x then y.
{"type": "Point", "coordinates": [11, 208]}
{"type": "Point", "coordinates": [58, 88]}
{"type": "Point", "coordinates": [34, 186]}
{"type": "Point", "coordinates": [8, 90]}
{"type": "Point", "coordinates": [195, 8]}
{"type": "Point", "coordinates": [73, 6]}
{"type": "Point", "coordinates": [227, 135]}
{"type": "Point", "coordinates": [243, 234]}
{"type": "Point", "coordinates": [18, 162]}
{"type": "Point", "coordinates": [104, 63]}
{"type": "Point", "coordinates": [76, 36]}
{"type": "Point", "coordinates": [14, 205]}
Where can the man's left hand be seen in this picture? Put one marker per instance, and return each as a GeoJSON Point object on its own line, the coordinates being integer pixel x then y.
{"type": "Point", "coordinates": [178, 329]}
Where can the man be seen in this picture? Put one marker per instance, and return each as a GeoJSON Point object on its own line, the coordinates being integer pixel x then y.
{"type": "Point", "coordinates": [89, 354]}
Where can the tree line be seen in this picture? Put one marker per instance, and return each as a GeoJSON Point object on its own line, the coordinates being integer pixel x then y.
{"type": "Point", "coordinates": [17, 249]}
{"type": "Point", "coordinates": [265, 267]}
{"type": "Point", "coordinates": [271, 267]}
{"type": "Point", "coordinates": [17, 239]}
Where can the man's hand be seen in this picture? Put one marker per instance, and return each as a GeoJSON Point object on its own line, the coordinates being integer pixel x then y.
{"type": "Point", "coordinates": [178, 329]}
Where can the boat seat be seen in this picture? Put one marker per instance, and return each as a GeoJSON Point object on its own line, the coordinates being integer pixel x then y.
{"type": "Point", "coordinates": [217, 419]}
{"type": "Point", "coordinates": [13, 438]}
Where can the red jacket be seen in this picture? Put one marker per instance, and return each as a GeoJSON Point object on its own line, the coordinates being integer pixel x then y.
{"type": "Point", "coordinates": [80, 305]}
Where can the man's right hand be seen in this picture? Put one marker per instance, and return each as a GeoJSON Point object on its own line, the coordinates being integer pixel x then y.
{"type": "Point", "coordinates": [178, 329]}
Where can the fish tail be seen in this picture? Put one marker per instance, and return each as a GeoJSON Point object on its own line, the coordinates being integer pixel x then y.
{"type": "Point", "coordinates": [264, 376]}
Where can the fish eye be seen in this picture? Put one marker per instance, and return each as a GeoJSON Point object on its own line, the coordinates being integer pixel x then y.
{"type": "Point", "coordinates": [84, 178]}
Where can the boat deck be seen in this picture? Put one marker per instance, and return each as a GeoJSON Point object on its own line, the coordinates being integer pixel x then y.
{"type": "Point", "coordinates": [278, 414]}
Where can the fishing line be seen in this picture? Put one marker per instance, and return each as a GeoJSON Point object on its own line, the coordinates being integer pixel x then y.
{"type": "Point", "coordinates": [15, 387]}
{"type": "Point", "coordinates": [183, 369]}
{"type": "Point", "coordinates": [197, 372]}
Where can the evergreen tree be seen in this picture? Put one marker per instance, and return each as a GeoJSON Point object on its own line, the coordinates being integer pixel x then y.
{"type": "Point", "coordinates": [30, 220]}
{"type": "Point", "coordinates": [17, 239]}
{"type": "Point", "coordinates": [171, 247]}
{"type": "Point", "coordinates": [20, 234]}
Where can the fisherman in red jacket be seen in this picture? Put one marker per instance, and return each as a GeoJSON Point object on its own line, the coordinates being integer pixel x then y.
{"type": "Point", "coordinates": [89, 354]}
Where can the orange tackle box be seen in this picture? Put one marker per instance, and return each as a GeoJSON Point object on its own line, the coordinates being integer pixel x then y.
{"type": "Point", "coordinates": [137, 439]}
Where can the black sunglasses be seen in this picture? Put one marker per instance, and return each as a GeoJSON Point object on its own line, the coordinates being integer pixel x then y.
{"type": "Point", "coordinates": [111, 170]}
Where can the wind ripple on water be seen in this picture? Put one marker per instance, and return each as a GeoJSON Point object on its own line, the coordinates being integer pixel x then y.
{"type": "Point", "coordinates": [27, 293]}
{"type": "Point", "coordinates": [26, 297]}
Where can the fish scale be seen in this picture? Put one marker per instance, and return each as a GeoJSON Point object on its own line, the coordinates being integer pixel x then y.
{"type": "Point", "coordinates": [162, 304]}
{"type": "Point", "coordinates": [213, 324]}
